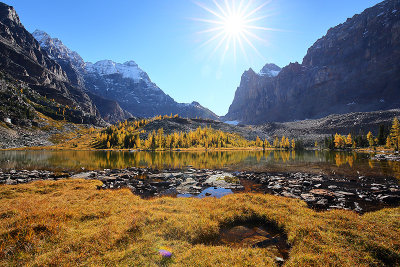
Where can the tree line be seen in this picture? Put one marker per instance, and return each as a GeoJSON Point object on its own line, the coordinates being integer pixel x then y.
{"type": "Point", "coordinates": [130, 135]}
{"type": "Point", "coordinates": [387, 137]}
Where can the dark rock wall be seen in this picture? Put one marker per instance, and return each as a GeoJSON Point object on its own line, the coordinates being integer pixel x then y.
{"type": "Point", "coordinates": [354, 67]}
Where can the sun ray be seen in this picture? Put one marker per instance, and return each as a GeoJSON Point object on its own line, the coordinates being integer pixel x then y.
{"type": "Point", "coordinates": [236, 24]}
{"type": "Point", "coordinates": [240, 7]}
{"type": "Point", "coordinates": [234, 49]}
{"type": "Point", "coordinates": [220, 8]}
{"type": "Point", "coordinates": [211, 30]}
{"type": "Point", "coordinates": [212, 38]}
{"type": "Point", "coordinates": [244, 10]}
{"type": "Point", "coordinates": [209, 21]}
{"type": "Point", "coordinates": [255, 37]}
{"type": "Point", "coordinates": [255, 19]}
{"type": "Point", "coordinates": [210, 10]}
{"type": "Point", "coordinates": [251, 45]}
{"type": "Point", "coordinates": [219, 45]}
{"type": "Point", "coordinates": [227, 45]}
{"type": "Point", "coordinates": [228, 8]}
{"type": "Point", "coordinates": [255, 10]}
{"type": "Point", "coordinates": [243, 50]}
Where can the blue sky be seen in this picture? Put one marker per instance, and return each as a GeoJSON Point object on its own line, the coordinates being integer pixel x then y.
{"type": "Point", "coordinates": [162, 37]}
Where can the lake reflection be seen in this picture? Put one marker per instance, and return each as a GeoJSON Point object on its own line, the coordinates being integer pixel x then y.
{"type": "Point", "coordinates": [338, 163]}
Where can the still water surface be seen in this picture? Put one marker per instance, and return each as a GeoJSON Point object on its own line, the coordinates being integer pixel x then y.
{"type": "Point", "coordinates": [324, 162]}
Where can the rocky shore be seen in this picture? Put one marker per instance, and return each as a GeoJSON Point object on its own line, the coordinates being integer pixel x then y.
{"type": "Point", "coordinates": [360, 194]}
{"type": "Point", "coordinates": [386, 157]}
{"type": "Point", "coordinates": [14, 177]}
{"type": "Point", "coordinates": [322, 192]}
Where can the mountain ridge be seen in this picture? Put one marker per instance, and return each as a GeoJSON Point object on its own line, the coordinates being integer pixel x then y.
{"type": "Point", "coordinates": [125, 83]}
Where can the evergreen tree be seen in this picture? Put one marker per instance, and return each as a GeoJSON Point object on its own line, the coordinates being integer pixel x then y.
{"type": "Point", "coordinates": [370, 139]}
{"type": "Point", "coordinates": [258, 142]}
{"type": "Point", "coordinates": [137, 141]}
{"type": "Point", "coordinates": [276, 142]}
{"type": "Point", "coordinates": [381, 135]}
{"type": "Point", "coordinates": [395, 134]}
{"type": "Point", "coordinates": [388, 142]}
{"type": "Point", "coordinates": [349, 140]}
{"type": "Point", "coordinates": [153, 141]}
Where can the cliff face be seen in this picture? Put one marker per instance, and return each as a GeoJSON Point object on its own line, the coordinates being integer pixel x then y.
{"type": "Point", "coordinates": [22, 59]}
{"type": "Point", "coordinates": [354, 67]}
{"type": "Point", "coordinates": [254, 88]}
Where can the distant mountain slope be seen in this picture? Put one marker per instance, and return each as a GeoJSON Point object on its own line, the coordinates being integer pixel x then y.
{"type": "Point", "coordinates": [307, 130]}
{"type": "Point", "coordinates": [354, 67]}
{"type": "Point", "coordinates": [125, 83]}
{"type": "Point", "coordinates": [28, 70]}
{"type": "Point", "coordinates": [315, 130]}
{"type": "Point", "coordinates": [74, 67]}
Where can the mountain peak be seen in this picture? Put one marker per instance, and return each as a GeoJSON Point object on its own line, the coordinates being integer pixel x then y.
{"type": "Point", "coordinates": [128, 69]}
{"type": "Point", "coordinates": [41, 36]}
{"type": "Point", "coordinates": [57, 49]}
{"type": "Point", "coordinates": [8, 13]}
{"type": "Point", "coordinates": [131, 63]}
{"type": "Point", "coordinates": [270, 70]}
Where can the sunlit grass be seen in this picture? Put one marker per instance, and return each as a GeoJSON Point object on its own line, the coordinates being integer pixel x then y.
{"type": "Point", "coordinates": [70, 222]}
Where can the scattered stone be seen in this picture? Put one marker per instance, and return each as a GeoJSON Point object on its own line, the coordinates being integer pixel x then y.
{"type": "Point", "coordinates": [308, 197]}
{"type": "Point", "coordinates": [322, 192]}
{"type": "Point", "coordinates": [322, 202]}
{"type": "Point", "coordinates": [386, 157]}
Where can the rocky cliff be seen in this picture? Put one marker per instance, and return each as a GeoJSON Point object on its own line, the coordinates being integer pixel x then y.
{"type": "Point", "coordinates": [41, 82]}
{"type": "Point", "coordinates": [354, 67]}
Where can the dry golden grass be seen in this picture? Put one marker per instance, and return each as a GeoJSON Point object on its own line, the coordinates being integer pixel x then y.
{"type": "Point", "coordinates": [70, 222]}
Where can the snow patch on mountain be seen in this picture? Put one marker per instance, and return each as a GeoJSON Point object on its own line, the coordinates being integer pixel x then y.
{"type": "Point", "coordinates": [270, 70]}
{"type": "Point", "coordinates": [128, 70]}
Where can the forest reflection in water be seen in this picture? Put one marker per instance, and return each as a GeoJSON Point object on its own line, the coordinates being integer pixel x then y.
{"type": "Point", "coordinates": [271, 160]}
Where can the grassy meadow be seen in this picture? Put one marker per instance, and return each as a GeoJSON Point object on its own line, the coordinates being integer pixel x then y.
{"type": "Point", "coordinates": [71, 223]}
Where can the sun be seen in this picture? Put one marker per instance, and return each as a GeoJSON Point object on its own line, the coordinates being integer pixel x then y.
{"type": "Point", "coordinates": [234, 25]}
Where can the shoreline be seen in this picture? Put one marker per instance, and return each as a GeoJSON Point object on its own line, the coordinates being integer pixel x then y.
{"type": "Point", "coordinates": [319, 192]}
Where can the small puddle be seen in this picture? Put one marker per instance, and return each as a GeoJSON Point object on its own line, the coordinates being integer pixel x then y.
{"type": "Point", "coordinates": [216, 192]}
{"type": "Point", "coordinates": [257, 236]}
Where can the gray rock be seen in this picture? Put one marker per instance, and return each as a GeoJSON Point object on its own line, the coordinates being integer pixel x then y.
{"type": "Point", "coordinates": [223, 180]}
{"type": "Point", "coordinates": [11, 182]}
